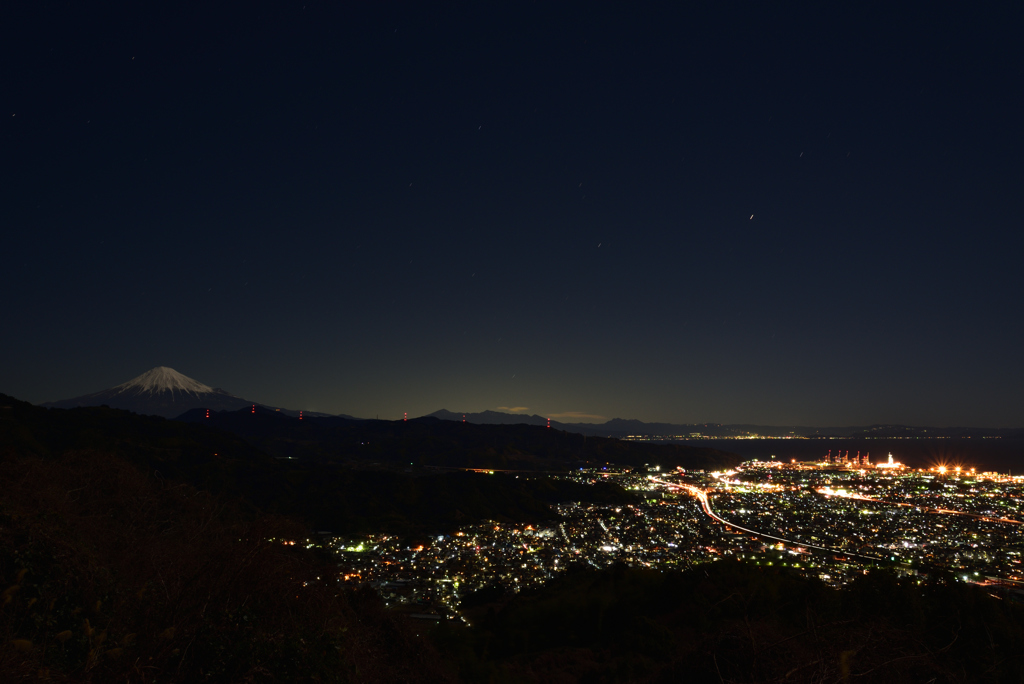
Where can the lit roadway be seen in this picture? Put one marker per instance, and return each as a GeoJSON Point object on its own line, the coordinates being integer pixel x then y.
{"type": "Point", "coordinates": [702, 496]}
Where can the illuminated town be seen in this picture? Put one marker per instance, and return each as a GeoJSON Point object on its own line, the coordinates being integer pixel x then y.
{"type": "Point", "coordinates": [830, 520]}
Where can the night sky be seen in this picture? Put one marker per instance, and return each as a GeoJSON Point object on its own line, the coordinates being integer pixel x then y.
{"type": "Point", "coordinates": [749, 213]}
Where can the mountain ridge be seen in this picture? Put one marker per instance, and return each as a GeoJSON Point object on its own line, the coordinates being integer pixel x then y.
{"type": "Point", "coordinates": [626, 427]}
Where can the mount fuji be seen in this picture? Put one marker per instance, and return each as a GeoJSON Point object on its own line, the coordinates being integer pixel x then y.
{"type": "Point", "coordinates": [161, 391]}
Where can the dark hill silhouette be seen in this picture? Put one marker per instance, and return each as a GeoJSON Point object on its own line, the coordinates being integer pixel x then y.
{"type": "Point", "coordinates": [430, 441]}
{"type": "Point", "coordinates": [322, 493]}
{"type": "Point", "coordinates": [490, 418]}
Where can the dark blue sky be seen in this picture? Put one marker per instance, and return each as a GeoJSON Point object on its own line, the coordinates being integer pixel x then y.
{"type": "Point", "coordinates": [394, 208]}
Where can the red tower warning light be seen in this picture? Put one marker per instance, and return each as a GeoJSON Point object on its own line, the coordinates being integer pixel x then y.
{"type": "Point", "coordinates": [207, 413]}
{"type": "Point", "coordinates": [463, 417]}
{"type": "Point", "coordinates": [549, 423]}
{"type": "Point", "coordinates": [254, 408]}
{"type": "Point", "coordinates": [405, 416]}
{"type": "Point", "coordinates": [300, 415]}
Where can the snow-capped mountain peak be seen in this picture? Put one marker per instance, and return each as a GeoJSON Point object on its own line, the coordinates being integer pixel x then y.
{"type": "Point", "coordinates": [163, 379]}
{"type": "Point", "coordinates": [165, 392]}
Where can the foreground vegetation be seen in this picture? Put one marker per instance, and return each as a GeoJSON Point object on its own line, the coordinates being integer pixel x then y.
{"type": "Point", "coordinates": [731, 622]}
{"type": "Point", "coordinates": [109, 574]}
